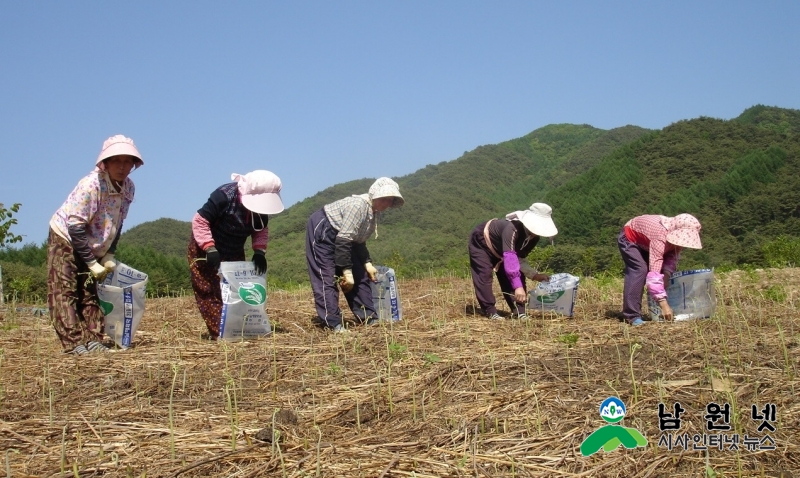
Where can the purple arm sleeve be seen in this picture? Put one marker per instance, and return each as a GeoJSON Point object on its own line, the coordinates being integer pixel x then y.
{"type": "Point", "coordinates": [511, 266]}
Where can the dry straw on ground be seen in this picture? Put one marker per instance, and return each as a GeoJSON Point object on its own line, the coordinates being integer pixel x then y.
{"type": "Point", "coordinates": [442, 393]}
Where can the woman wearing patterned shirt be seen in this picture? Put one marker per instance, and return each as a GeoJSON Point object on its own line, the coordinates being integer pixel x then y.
{"type": "Point", "coordinates": [650, 246]}
{"type": "Point", "coordinates": [233, 212]}
{"type": "Point", "coordinates": [81, 243]}
{"type": "Point", "coordinates": [503, 242]}
{"type": "Point", "coordinates": [336, 237]}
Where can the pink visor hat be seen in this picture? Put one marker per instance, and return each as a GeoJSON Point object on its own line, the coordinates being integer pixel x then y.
{"type": "Point", "coordinates": [260, 191]}
{"type": "Point", "coordinates": [683, 230]}
{"type": "Point", "coordinates": [119, 145]}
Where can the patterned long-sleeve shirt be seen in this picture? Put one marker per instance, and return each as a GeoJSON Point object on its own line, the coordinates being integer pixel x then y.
{"type": "Point", "coordinates": [97, 206]}
{"type": "Point", "coordinates": [649, 233]}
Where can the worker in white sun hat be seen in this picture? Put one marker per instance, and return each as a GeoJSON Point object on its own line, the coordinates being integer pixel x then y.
{"type": "Point", "coordinates": [496, 247]}
{"type": "Point", "coordinates": [233, 212]}
{"type": "Point", "coordinates": [336, 237]}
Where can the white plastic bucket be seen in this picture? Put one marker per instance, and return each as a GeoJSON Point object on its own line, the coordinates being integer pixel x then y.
{"type": "Point", "coordinates": [690, 295]}
{"type": "Point", "coordinates": [121, 296]}
{"type": "Point", "coordinates": [244, 302]}
{"type": "Point", "coordinates": [386, 296]}
{"type": "Point", "coordinates": [557, 295]}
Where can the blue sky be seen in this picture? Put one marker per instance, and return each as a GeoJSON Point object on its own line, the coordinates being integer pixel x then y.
{"type": "Point", "coordinates": [322, 92]}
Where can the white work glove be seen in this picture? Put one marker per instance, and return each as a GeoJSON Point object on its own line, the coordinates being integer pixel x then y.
{"type": "Point", "coordinates": [98, 271]}
{"type": "Point", "coordinates": [372, 272]}
{"type": "Point", "coordinates": [109, 262]}
{"type": "Point", "coordinates": [347, 282]}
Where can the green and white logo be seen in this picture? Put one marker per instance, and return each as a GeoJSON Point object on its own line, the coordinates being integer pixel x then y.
{"type": "Point", "coordinates": [550, 298]}
{"type": "Point", "coordinates": [107, 307]}
{"type": "Point", "coordinates": [253, 294]}
{"type": "Point", "coordinates": [609, 437]}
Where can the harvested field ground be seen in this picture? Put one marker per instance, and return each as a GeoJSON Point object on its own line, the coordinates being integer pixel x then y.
{"type": "Point", "coordinates": [442, 393]}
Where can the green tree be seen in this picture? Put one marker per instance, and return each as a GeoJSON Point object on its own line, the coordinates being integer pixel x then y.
{"type": "Point", "coordinates": [7, 220]}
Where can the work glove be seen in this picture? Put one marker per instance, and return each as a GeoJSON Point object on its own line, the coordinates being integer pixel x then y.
{"type": "Point", "coordinates": [347, 282]}
{"type": "Point", "coordinates": [519, 295]}
{"type": "Point", "coordinates": [109, 262]}
{"type": "Point", "coordinates": [98, 271]}
{"type": "Point", "coordinates": [212, 258]}
{"type": "Point", "coordinates": [372, 272]}
{"type": "Point", "coordinates": [260, 262]}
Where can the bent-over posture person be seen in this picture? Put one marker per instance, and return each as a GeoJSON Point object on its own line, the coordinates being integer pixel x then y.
{"type": "Point", "coordinates": [233, 212]}
{"type": "Point", "coordinates": [336, 237]}
{"type": "Point", "coordinates": [496, 247]}
{"type": "Point", "coordinates": [651, 246]}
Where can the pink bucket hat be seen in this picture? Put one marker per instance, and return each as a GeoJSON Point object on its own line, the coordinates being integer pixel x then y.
{"type": "Point", "coordinates": [119, 145]}
{"type": "Point", "coordinates": [683, 230]}
{"type": "Point", "coordinates": [260, 191]}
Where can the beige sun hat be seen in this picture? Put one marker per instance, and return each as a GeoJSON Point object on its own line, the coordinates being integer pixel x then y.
{"type": "Point", "coordinates": [536, 219]}
{"type": "Point", "coordinates": [386, 187]}
{"type": "Point", "coordinates": [118, 145]}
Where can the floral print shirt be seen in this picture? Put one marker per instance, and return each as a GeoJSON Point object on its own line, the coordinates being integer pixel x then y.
{"type": "Point", "coordinates": [95, 203]}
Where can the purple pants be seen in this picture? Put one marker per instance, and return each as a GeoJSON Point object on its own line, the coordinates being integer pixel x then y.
{"type": "Point", "coordinates": [482, 264]}
{"type": "Point", "coordinates": [322, 272]}
{"type": "Point", "coordinates": [636, 262]}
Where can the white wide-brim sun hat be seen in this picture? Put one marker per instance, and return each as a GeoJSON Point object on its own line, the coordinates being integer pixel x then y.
{"type": "Point", "coordinates": [536, 219]}
{"type": "Point", "coordinates": [260, 191]}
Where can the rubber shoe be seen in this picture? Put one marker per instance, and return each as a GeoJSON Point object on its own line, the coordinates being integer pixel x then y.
{"type": "Point", "coordinates": [522, 316]}
{"type": "Point", "coordinates": [495, 316]}
{"type": "Point", "coordinates": [79, 350]}
{"type": "Point", "coordinates": [637, 322]}
{"type": "Point", "coordinates": [96, 347]}
{"type": "Point", "coordinates": [339, 329]}
{"type": "Point", "coordinates": [373, 321]}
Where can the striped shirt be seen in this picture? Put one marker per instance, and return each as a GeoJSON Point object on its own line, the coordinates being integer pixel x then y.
{"type": "Point", "coordinates": [352, 217]}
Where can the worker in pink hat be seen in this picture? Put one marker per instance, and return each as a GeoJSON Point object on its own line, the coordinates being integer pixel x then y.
{"type": "Point", "coordinates": [233, 212]}
{"type": "Point", "coordinates": [80, 246]}
{"type": "Point", "coordinates": [651, 246]}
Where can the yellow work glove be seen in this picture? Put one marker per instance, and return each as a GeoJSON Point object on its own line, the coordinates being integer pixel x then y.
{"type": "Point", "coordinates": [347, 282]}
{"type": "Point", "coordinates": [108, 262]}
{"type": "Point", "coordinates": [372, 272]}
{"type": "Point", "coordinates": [98, 271]}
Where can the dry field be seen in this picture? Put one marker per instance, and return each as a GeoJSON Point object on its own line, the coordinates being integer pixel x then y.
{"type": "Point", "coordinates": [442, 393]}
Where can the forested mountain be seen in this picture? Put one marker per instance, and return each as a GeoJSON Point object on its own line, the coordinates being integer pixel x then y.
{"type": "Point", "coordinates": [740, 177]}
